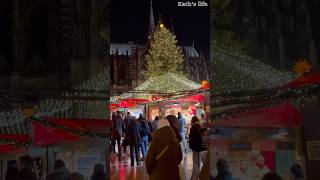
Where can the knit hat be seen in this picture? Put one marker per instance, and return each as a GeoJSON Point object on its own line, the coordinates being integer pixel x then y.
{"type": "Point", "coordinates": [163, 123]}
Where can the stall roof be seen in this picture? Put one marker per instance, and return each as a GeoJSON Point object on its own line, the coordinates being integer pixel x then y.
{"type": "Point", "coordinates": [166, 83]}
{"type": "Point", "coordinates": [307, 79]}
{"type": "Point", "coordinates": [284, 115]}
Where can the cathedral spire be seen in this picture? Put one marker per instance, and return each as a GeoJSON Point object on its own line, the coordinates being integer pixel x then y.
{"type": "Point", "coordinates": [151, 25]}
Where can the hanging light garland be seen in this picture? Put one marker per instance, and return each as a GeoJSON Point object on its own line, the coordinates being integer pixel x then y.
{"type": "Point", "coordinates": [238, 72]}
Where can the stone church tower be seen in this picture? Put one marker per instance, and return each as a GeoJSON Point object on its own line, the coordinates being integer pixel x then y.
{"type": "Point", "coordinates": [280, 32]}
{"type": "Point", "coordinates": [53, 44]}
{"type": "Point", "coordinates": [128, 62]}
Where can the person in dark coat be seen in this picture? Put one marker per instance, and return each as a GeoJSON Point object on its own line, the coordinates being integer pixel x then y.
{"type": "Point", "coordinates": [144, 133]}
{"type": "Point", "coordinates": [98, 173]}
{"type": "Point", "coordinates": [150, 124]}
{"type": "Point", "coordinates": [11, 173]}
{"type": "Point", "coordinates": [117, 130]}
{"type": "Point", "coordinates": [134, 138]}
{"type": "Point", "coordinates": [197, 147]}
{"type": "Point", "coordinates": [25, 172]}
{"type": "Point", "coordinates": [296, 172]}
{"type": "Point", "coordinates": [223, 171]}
{"type": "Point", "coordinates": [155, 123]}
{"type": "Point", "coordinates": [60, 171]}
{"type": "Point", "coordinates": [164, 155]}
{"type": "Point", "coordinates": [76, 176]}
{"type": "Point", "coordinates": [182, 122]}
{"type": "Point", "coordinates": [127, 121]}
{"type": "Point", "coordinates": [175, 125]}
{"type": "Point", "coordinates": [271, 176]}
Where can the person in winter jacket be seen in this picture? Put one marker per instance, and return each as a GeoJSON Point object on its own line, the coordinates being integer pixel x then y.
{"type": "Point", "coordinates": [11, 173]}
{"type": "Point", "coordinates": [271, 176]}
{"type": "Point", "coordinates": [76, 176]}
{"type": "Point", "coordinates": [134, 138]}
{"type": "Point", "coordinates": [60, 171]}
{"type": "Point", "coordinates": [155, 123]}
{"type": "Point", "coordinates": [126, 122]}
{"type": "Point", "coordinates": [296, 172]}
{"type": "Point", "coordinates": [144, 132]}
{"type": "Point", "coordinates": [223, 171]}
{"type": "Point", "coordinates": [164, 155]}
{"type": "Point", "coordinates": [175, 125]}
{"type": "Point", "coordinates": [99, 173]}
{"type": "Point", "coordinates": [197, 147]}
{"type": "Point", "coordinates": [117, 130]}
{"type": "Point", "coordinates": [25, 172]}
{"type": "Point", "coordinates": [182, 122]}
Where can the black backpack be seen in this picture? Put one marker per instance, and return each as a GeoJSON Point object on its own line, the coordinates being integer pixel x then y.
{"type": "Point", "coordinates": [144, 129]}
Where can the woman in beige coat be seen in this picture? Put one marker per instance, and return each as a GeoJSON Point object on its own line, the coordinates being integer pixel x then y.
{"type": "Point", "coordinates": [164, 155]}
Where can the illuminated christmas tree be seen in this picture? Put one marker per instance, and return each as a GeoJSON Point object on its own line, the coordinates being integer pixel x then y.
{"type": "Point", "coordinates": [164, 55]}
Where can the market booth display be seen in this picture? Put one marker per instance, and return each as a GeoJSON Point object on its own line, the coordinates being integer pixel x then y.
{"type": "Point", "coordinates": [260, 141]}
{"type": "Point", "coordinates": [165, 95]}
{"type": "Point", "coordinates": [81, 143]}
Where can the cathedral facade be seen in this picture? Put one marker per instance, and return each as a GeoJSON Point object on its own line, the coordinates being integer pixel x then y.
{"type": "Point", "coordinates": [128, 63]}
{"type": "Point", "coordinates": [280, 32]}
{"type": "Point", "coordinates": [55, 44]}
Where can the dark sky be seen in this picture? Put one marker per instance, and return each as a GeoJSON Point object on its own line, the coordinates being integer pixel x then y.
{"type": "Point", "coordinates": [130, 21]}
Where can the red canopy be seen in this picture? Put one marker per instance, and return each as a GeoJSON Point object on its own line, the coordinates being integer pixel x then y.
{"type": "Point", "coordinates": [194, 98]}
{"type": "Point", "coordinates": [96, 125]}
{"type": "Point", "coordinates": [45, 136]}
{"type": "Point", "coordinates": [284, 115]}
{"type": "Point", "coordinates": [9, 148]}
{"type": "Point", "coordinates": [137, 101]}
{"type": "Point", "coordinates": [15, 137]}
{"type": "Point", "coordinates": [307, 79]}
{"type": "Point", "coordinates": [126, 104]}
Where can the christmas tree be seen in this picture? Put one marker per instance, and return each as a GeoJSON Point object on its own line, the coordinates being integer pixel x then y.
{"type": "Point", "coordinates": [164, 55]}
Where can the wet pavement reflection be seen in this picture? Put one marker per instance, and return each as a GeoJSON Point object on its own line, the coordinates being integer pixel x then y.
{"type": "Point", "coordinates": [121, 170]}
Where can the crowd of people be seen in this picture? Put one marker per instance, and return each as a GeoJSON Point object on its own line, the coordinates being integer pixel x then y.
{"type": "Point", "coordinates": [296, 173]}
{"type": "Point", "coordinates": [162, 142]}
{"type": "Point", "coordinates": [25, 171]}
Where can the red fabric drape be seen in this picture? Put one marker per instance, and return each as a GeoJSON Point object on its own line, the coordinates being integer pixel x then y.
{"type": "Point", "coordinates": [45, 136]}
{"type": "Point", "coordinates": [9, 148]}
{"type": "Point", "coordinates": [284, 115]}
{"type": "Point", "coordinates": [194, 98]}
{"type": "Point", "coordinates": [95, 125]}
{"type": "Point", "coordinates": [126, 104]}
{"type": "Point", "coordinates": [270, 159]}
{"type": "Point", "coordinates": [307, 79]}
{"type": "Point", "coordinates": [15, 137]}
{"type": "Point", "coordinates": [137, 101]}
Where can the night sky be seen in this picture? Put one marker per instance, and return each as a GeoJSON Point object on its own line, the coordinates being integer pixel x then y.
{"type": "Point", "coordinates": [130, 21]}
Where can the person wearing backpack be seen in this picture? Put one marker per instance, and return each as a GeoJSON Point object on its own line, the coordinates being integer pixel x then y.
{"type": "Point", "coordinates": [144, 133]}
{"type": "Point", "coordinates": [197, 147]}
{"type": "Point", "coordinates": [164, 155]}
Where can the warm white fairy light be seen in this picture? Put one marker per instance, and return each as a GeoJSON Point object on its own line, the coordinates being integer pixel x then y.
{"type": "Point", "coordinates": [237, 72]}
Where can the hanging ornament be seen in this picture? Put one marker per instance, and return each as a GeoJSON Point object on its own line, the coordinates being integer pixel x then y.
{"type": "Point", "coordinates": [302, 66]}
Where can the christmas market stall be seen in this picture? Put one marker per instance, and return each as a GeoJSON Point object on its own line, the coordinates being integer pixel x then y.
{"type": "Point", "coordinates": [81, 143]}
{"type": "Point", "coordinates": [165, 95]}
{"type": "Point", "coordinates": [72, 126]}
{"type": "Point", "coordinates": [258, 141]}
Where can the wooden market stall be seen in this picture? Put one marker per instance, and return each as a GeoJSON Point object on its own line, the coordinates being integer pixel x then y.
{"type": "Point", "coordinates": [269, 134]}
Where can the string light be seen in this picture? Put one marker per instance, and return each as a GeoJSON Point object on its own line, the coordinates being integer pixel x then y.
{"type": "Point", "coordinates": [238, 72]}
